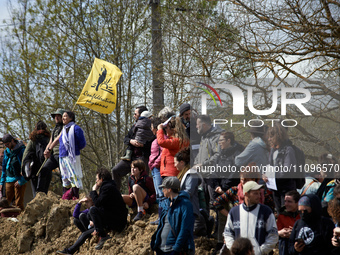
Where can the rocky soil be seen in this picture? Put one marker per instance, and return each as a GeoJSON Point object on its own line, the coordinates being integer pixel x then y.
{"type": "Point", "coordinates": [46, 226]}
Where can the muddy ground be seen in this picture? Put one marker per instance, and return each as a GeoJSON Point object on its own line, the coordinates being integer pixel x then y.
{"type": "Point", "coordinates": [46, 226]}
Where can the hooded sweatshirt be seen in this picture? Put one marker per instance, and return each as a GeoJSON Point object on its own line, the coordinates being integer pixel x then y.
{"type": "Point", "coordinates": [315, 230]}
{"type": "Point", "coordinates": [11, 165]}
{"type": "Point", "coordinates": [256, 151]}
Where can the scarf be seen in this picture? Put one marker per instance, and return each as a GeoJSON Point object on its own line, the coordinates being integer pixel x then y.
{"type": "Point", "coordinates": [69, 140]}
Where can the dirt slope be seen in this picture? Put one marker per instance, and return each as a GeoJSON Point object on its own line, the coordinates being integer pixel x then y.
{"type": "Point", "coordinates": [46, 226]}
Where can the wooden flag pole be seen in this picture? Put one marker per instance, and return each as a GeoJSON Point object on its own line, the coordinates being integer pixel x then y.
{"type": "Point", "coordinates": [41, 167]}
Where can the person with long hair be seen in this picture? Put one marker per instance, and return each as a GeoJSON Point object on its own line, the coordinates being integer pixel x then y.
{"type": "Point", "coordinates": [34, 153]}
{"type": "Point", "coordinates": [190, 180]}
{"type": "Point", "coordinates": [141, 190]}
{"type": "Point", "coordinates": [175, 141]}
{"type": "Point", "coordinates": [282, 154]}
{"type": "Point", "coordinates": [71, 141]}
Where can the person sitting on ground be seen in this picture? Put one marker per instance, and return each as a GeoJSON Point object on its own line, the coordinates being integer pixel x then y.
{"type": "Point", "coordinates": [143, 133]}
{"type": "Point", "coordinates": [80, 218]}
{"type": "Point", "coordinates": [242, 246]}
{"type": "Point", "coordinates": [82, 222]}
{"type": "Point", "coordinates": [312, 234]}
{"type": "Point", "coordinates": [288, 215]}
{"type": "Point", "coordinates": [174, 234]}
{"type": "Point", "coordinates": [141, 189]}
{"type": "Point", "coordinates": [109, 211]}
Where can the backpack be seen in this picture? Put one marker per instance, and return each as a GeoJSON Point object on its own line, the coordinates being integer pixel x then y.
{"type": "Point", "coordinates": [40, 147]}
{"type": "Point", "coordinates": [33, 161]}
{"type": "Point", "coordinates": [300, 166]}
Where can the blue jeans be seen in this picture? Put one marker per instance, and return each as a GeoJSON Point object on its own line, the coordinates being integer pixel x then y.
{"type": "Point", "coordinates": [157, 180]}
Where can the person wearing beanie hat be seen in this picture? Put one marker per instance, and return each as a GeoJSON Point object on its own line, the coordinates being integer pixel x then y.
{"type": "Point", "coordinates": [252, 220]}
{"type": "Point", "coordinates": [185, 110]}
{"type": "Point", "coordinates": [312, 234]}
{"type": "Point", "coordinates": [188, 118]}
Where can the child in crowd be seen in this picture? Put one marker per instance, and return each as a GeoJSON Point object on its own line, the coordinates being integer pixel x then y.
{"type": "Point", "coordinates": [80, 217]}
{"type": "Point", "coordinates": [143, 134]}
{"type": "Point", "coordinates": [141, 189]}
{"type": "Point", "coordinates": [154, 166]}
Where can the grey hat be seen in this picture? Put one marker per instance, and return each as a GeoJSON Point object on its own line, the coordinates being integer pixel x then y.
{"type": "Point", "coordinates": [171, 182]}
{"type": "Point", "coordinates": [183, 108]}
{"type": "Point", "coordinates": [7, 138]}
{"type": "Point", "coordinates": [146, 114]}
{"type": "Point", "coordinates": [58, 111]}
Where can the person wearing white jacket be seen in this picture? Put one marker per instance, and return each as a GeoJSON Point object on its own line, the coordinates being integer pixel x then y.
{"type": "Point", "coordinates": [252, 220]}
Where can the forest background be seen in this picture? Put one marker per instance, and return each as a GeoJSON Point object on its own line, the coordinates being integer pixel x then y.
{"type": "Point", "coordinates": [47, 49]}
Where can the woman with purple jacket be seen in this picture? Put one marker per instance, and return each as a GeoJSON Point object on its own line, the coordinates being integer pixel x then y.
{"type": "Point", "coordinates": [71, 141]}
{"type": "Point", "coordinates": [80, 217]}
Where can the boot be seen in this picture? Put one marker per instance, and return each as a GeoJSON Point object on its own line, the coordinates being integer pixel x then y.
{"type": "Point", "coordinates": [127, 156]}
{"type": "Point", "coordinates": [75, 193]}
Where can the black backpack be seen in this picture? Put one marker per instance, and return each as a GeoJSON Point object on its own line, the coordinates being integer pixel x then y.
{"type": "Point", "coordinates": [40, 147]}
{"type": "Point", "coordinates": [300, 166]}
{"type": "Point", "coordinates": [37, 158]}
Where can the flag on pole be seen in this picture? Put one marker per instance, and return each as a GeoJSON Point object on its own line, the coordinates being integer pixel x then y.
{"type": "Point", "coordinates": [100, 91]}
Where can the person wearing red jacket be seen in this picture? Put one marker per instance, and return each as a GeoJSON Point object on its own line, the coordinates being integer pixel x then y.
{"type": "Point", "coordinates": [288, 215]}
{"type": "Point", "coordinates": [177, 140]}
{"type": "Point", "coordinates": [141, 189]}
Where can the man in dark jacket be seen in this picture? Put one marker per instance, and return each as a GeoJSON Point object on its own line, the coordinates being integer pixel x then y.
{"type": "Point", "coordinates": [174, 234]}
{"type": "Point", "coordinates": [124, 166]}
{"type": "Point", "coordinates": [51, 153]}
{"type": "Point", "coordinates": [312, 234]}
{"type": "Point", "coordinates": [189, 118]}
{"type": "Point", "coordinates": [207, 154]}
{"type": "Point", "coordinates": [109, 211]}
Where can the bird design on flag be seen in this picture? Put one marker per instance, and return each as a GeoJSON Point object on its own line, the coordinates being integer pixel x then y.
{"type": "Point", "coordinates": [101, 81]}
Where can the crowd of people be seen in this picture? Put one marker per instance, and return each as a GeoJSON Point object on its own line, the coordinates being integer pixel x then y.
{"type": "Point", "coordinates": [299, 214]}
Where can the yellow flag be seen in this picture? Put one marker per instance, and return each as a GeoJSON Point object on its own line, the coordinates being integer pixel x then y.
{"type": "Point", "coordinates": [100, 91]}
